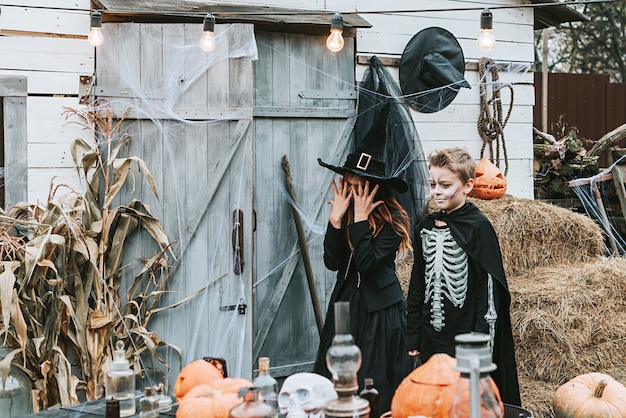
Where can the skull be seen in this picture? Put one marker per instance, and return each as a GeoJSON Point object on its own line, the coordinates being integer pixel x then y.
{"type": "Point", "coordinates": [304, 395]}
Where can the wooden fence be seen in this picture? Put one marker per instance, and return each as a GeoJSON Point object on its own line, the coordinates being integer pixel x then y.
{"type": "Point", "coordinates": [589, 102]}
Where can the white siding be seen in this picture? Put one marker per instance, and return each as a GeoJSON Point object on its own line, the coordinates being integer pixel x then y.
{"type": "Point", "coordinates": [49, 47]}
{"type": "Point", "coordinates": [456, 124]}
{"type": "Point", "coordinates": [49, 140]}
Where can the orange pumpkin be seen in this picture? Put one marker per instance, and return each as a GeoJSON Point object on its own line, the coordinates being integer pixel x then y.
{"type": "Point", "coordinates": [230, 384]}
{"type": "Point", "coordinates": [590, 395]}
{"type": "Point", "coordinates": [489, 182]}
{"type": "Point", "coordinates": [195, 373]}
{"type": "Point", "coordinates": [427, 390]}
{"type": "Point", "coordinates": [203, 401]}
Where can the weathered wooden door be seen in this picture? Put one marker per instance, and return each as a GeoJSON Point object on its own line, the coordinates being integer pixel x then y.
{"type": "Point", "coordinates": [190, 120]}
{"type": "Point", "coordinates": [304, 108]}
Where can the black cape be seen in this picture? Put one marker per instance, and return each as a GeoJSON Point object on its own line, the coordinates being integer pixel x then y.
{"type": "Point", "coordinates": [474, 233]}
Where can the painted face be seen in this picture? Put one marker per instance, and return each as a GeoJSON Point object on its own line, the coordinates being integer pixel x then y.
{"type": "Point", "coordinates": [447, 190]}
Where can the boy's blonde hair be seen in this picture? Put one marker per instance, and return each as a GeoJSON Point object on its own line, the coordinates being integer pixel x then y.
{"type": "Point", "coordinates": [457, 160]}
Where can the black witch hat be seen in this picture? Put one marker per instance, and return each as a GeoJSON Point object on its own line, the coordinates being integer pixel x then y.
{"type": "Point", "coordinates": [431, 70]}
{"type": "Point", "coordinates": [367, 160]}
{"type": "Point", "coordinates": [385, 131]}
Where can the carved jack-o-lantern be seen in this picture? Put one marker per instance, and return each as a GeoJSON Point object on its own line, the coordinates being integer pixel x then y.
{"type": "Point", "coordinates": [489, 182]}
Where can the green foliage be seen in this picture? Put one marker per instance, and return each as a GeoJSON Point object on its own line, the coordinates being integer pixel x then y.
{"type": "Point", "coordinates": [594, 47]}
{"type": "Point", "coordinates": [61, 310]}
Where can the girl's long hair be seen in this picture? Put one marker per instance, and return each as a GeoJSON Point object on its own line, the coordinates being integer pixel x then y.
{"type": "Point", "coordinates": [389, 212]}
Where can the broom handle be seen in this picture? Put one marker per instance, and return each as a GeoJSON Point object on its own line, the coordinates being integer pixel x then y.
{"type": "Point", "coordinates": [304, 250]}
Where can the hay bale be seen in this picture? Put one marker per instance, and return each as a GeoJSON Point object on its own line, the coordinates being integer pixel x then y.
{"type": "Point", "coordinates": [568, 319]}
{"type": "Point", "coordinates": [533, 234]}
{"type": "Point", "coordinates": [537, 397]}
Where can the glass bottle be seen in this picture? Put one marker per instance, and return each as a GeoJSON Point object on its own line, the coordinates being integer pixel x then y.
{"type": "Point", "coordinates": [120, 382]}
{"type": "Point", "coordinates": [370, 394]}
{"type": "Point", "coordinates": [149, 404]}
{"type": "Point", "coordinates": [251, 407]}
{"type": "Point", "coordinates": [267, 385]}
{"type": "Point", "coordinates": [15, 390]}
{"type": "Point", "coordinates": [476, 395]}
{"type": "Point", "coordinates": [165, 401]}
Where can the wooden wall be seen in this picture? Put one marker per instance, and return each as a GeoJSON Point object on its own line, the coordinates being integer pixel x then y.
{"type": "Point", "coordinates": [456, 124]}
{"type": "Point", "coordinates": [49, 47]}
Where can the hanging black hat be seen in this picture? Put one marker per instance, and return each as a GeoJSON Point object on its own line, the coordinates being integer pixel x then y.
{"type": "Point", "coordinates": [431, 70]}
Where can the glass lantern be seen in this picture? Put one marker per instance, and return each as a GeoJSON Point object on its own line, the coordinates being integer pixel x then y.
{"type": "Point", "coordinates": [15, 390]}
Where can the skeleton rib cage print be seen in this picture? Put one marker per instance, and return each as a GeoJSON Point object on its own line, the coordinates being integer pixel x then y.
{"type": "Point", "coordinates": [447, 275]}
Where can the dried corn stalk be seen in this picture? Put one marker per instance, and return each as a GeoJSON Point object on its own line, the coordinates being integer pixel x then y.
{"type": "Point", "coordinates": [60, 272]}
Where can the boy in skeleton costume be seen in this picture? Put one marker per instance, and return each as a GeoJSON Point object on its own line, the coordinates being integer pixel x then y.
{"type": "Point", "coordinates": [458, 283]}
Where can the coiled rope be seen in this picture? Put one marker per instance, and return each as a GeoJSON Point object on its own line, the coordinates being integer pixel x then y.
{"type": "Point", "coordinates": [490, 122]}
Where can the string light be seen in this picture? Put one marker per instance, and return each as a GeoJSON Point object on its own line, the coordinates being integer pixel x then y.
{"type": "Point", "coordinates": [486, 40]}
{"type": "Point", "coordinates": [335, 40]}
{"type": "Point", "coordinates": [207, 41]}
{"type": "Point", "coordinates": [96, 37]}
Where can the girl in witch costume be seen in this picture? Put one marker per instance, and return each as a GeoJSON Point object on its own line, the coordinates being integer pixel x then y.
{"type": "Point", "coordinates": [367, 227]}
{"type": "Point", "coordinates": [458, 283]}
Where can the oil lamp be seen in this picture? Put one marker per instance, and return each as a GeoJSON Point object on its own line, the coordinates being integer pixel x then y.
{"type": "Point", "coordinates": [343, 359]}
{"type": "Point", "coordinates": [475, 392]}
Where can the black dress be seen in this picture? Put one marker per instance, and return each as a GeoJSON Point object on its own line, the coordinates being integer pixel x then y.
{"type": "Point", "coordinates": [366, 278]}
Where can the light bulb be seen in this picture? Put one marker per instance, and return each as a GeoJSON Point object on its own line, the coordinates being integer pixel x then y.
{"type": "Point", "coordinates": [207, 41]}
{"type": "Point", "coordinates": [486, 40]}
{"type": "Point", "coordinates": [335, 42]}
{"type": "Point", "coordinates": [95, 37]}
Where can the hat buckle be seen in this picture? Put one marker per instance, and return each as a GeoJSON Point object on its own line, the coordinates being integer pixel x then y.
{"type": "Point", "coordinates": [364, 161]}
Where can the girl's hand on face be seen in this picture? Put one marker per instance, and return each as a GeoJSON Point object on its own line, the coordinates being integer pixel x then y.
{"type": "Point", "coordinates": [342, 195]}
{"type": "Point", "coordinates": [364, 201]}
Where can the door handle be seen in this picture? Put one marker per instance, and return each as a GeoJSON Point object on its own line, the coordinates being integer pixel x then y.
{"type": "Point", "coordinates": [237, 241]}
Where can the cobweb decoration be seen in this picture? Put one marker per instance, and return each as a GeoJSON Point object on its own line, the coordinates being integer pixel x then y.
{"type": "Point", "coordinates": [593, 194]}
{"type": "Point", "coordinates": [157, 116]}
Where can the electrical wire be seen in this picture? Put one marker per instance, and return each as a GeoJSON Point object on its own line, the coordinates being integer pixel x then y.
{"type": "Point", "coordinates": [217, 13]}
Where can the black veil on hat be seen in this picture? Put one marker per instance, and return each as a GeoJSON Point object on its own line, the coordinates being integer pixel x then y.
{"type": "Point", "coordinates": [385, 131]}
{"type": "Point", "coordinates": [431, 70]}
